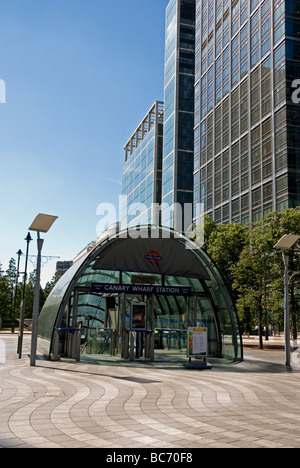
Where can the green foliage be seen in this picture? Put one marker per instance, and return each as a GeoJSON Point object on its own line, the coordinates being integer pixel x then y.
{"type": "Point", "coordinates": [5, 298]}
{"type": "Point", "coordinates": [225, 246]}
{"type": "Point", "coordinates": [10, 295]}
{"type": "Point", "coordinates": [253, 269]}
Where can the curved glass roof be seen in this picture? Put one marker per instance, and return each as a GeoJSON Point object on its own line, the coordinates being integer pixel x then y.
{"type": "Point", "coordinates": [145, 255]}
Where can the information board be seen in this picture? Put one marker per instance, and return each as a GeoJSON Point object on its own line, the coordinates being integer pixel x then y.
{"type": "Point", "coordinates": [197, 342]}
{"type": "Point", "coordinates": [138, 316]}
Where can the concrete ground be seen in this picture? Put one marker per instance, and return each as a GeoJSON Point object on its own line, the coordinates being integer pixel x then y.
{"type": "Point", "coordinates": [253, 404]}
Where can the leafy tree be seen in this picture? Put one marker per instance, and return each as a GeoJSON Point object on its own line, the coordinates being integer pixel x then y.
{"type": "Point", "coordinates": [11, 272]}
{"type": "Point", "coordinates": [11, 276]}
{"type": "Point", "coordinates": [252, 277]}
{"type": "Point", "coordinates": [290, 224]}
{"type": "Point", "coordinates": [5, 298]}
{"type": "Point", "coordinates": [254, 270]}
{"type": "Point", "coordinates": [29, 295]}
{"type": "Point", "coordinates": [258, 275]}
{"type": "Point", "coordinates": [203, 232]}
{"type": "Point", "coordinates": [49, 286]}
{"type": "Point", "coordinates": [8, 288]}
{"type": "Point", "coordinates": [225, 245]}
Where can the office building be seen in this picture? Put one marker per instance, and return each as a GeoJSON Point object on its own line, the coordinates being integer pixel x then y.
{"type": "Point", "coordinates": [247, 128]}
{"type": "Point", "coordinates": [165, 176]}
{"type": "Point", "coordinates": [142, 171]}
{"type": "Point", "coordinates": [62, 268]}
{"type": "Point", "coordinates": [178, 153]}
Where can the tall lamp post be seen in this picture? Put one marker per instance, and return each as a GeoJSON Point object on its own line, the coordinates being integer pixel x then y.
{"type": "Point", "coordinates": [42, 223]}
{"type": "Point", "coordinates": [285, 244]}
{"type": "Point", "coordinates": [23, 307]}
{"type": "Point", "coordinates": [19, 253]}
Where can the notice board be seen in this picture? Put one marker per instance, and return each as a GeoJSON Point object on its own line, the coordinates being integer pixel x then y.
{"type": "Point", "coordinates": [197, 342]}
{"type": "Point", "coordinates": [138, 315]}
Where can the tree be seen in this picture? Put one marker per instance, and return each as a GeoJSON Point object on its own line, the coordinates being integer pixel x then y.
{"type": "Point", "coordinates": [225, 245]}
{"type": "Point", "coordinates": [8, 290]}
{"type": "Point", "coordinates": [253, 270]}
{"type": "Point", "coordinates": [5, 298]}
{"type": "Point", "coordinates": [290, 224]}
{"type": "Point", "coordinates": [49, 286]}
{"type": "Point", "coordinates": [258, 276]}
{"type": "Point", "coordinates": [29, 294]}
{"type": "Point", "coordinates": [252, 277]}
{"type": "Point", "coordinates": [201, 233]}
{"type": "Point", "coordinates": [11, 272]}
{"type": "Point", "coordinates": [11, 275]}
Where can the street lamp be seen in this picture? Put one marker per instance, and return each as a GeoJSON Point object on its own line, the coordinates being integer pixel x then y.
{"type": "Point", "coordinates": [285, 244]}
{"type": "Point", "coordinates": [42, 223]}
{"type": "Point", "coordinates": [19, 253]}
{"type": "Point", "coordinates": [23, 307]}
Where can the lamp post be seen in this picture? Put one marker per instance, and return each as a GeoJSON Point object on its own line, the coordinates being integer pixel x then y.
{"type": "Point", "coordinates": [285, 244]}
{"type": "Point", "coordinates": [19, 253]}
{"type": "Point", "coordinates": [23, 307]}
{"type": "Point", "coordinates": [42, 223]}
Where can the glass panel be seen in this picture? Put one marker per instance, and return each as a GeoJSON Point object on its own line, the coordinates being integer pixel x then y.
{"type": "Point", "coordinates": [49, 313]}
{"type": "Point", "coordinates": [205, 318]}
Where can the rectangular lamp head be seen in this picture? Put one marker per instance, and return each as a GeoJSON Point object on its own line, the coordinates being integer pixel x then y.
{"type": "Point", "coordinates": [42, 223]}
{"type": "Point", "coordinates": [287, 242]}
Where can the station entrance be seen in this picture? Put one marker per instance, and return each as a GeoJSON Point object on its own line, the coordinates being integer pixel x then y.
{"type": "Point", "coordinates": [150, 325]}
{"type": "Point", "coordinates": [134, 298]}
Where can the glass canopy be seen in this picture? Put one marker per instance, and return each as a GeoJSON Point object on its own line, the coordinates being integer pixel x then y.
{"type": "Point", "coordinates": [168, 273]}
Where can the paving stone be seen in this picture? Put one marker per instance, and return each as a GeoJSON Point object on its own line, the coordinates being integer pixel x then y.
{"type": "Point", "coordinates": [62, 405]}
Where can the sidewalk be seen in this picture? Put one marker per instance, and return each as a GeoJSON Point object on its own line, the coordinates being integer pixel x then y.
{"type": "Point", "coordinates": [253, 404]}
{"type": "Point", "coordinates": [274, 342]}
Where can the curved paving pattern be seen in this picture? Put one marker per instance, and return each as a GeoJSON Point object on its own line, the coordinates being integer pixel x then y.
{"type": "Point", "coordinates": [66, 405]}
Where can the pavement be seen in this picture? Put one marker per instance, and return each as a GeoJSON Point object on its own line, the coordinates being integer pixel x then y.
{"type": "Point", "coordinates": [254, 404]}
{"type": "Point", "coordinates": [273, 342]}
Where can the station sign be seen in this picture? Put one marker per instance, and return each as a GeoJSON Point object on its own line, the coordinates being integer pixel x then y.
{"type": "Point", "coordinates": [111, 288]}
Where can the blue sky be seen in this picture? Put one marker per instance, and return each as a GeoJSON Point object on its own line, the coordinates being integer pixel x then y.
{"type": "Point", "coordinates": [80, 75]}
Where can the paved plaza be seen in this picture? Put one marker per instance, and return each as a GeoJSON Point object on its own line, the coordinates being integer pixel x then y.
{"type": "Point", "coordinates": [253, 404]}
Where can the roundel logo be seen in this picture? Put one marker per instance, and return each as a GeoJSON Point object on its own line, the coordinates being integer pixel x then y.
{"type": "Point", "coordinates": [153, 257]}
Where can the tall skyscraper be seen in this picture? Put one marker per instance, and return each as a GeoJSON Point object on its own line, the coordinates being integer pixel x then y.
{"type": "Point", "coordinates": [178, 152]}
{"type": "Point", "coordinates": [247, 128]}
{"type": "Point", "coordinates": [159, 156]}
{"type": "Point", "coordinates": [142, 171]}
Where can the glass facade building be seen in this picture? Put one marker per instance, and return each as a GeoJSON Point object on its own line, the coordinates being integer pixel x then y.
{"type": "Point", "coordinates": [247, 129]}
{"type": "Point", "coordinates": [142, 171]}
{"type": "Point", "coordinates": [178, 153]}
